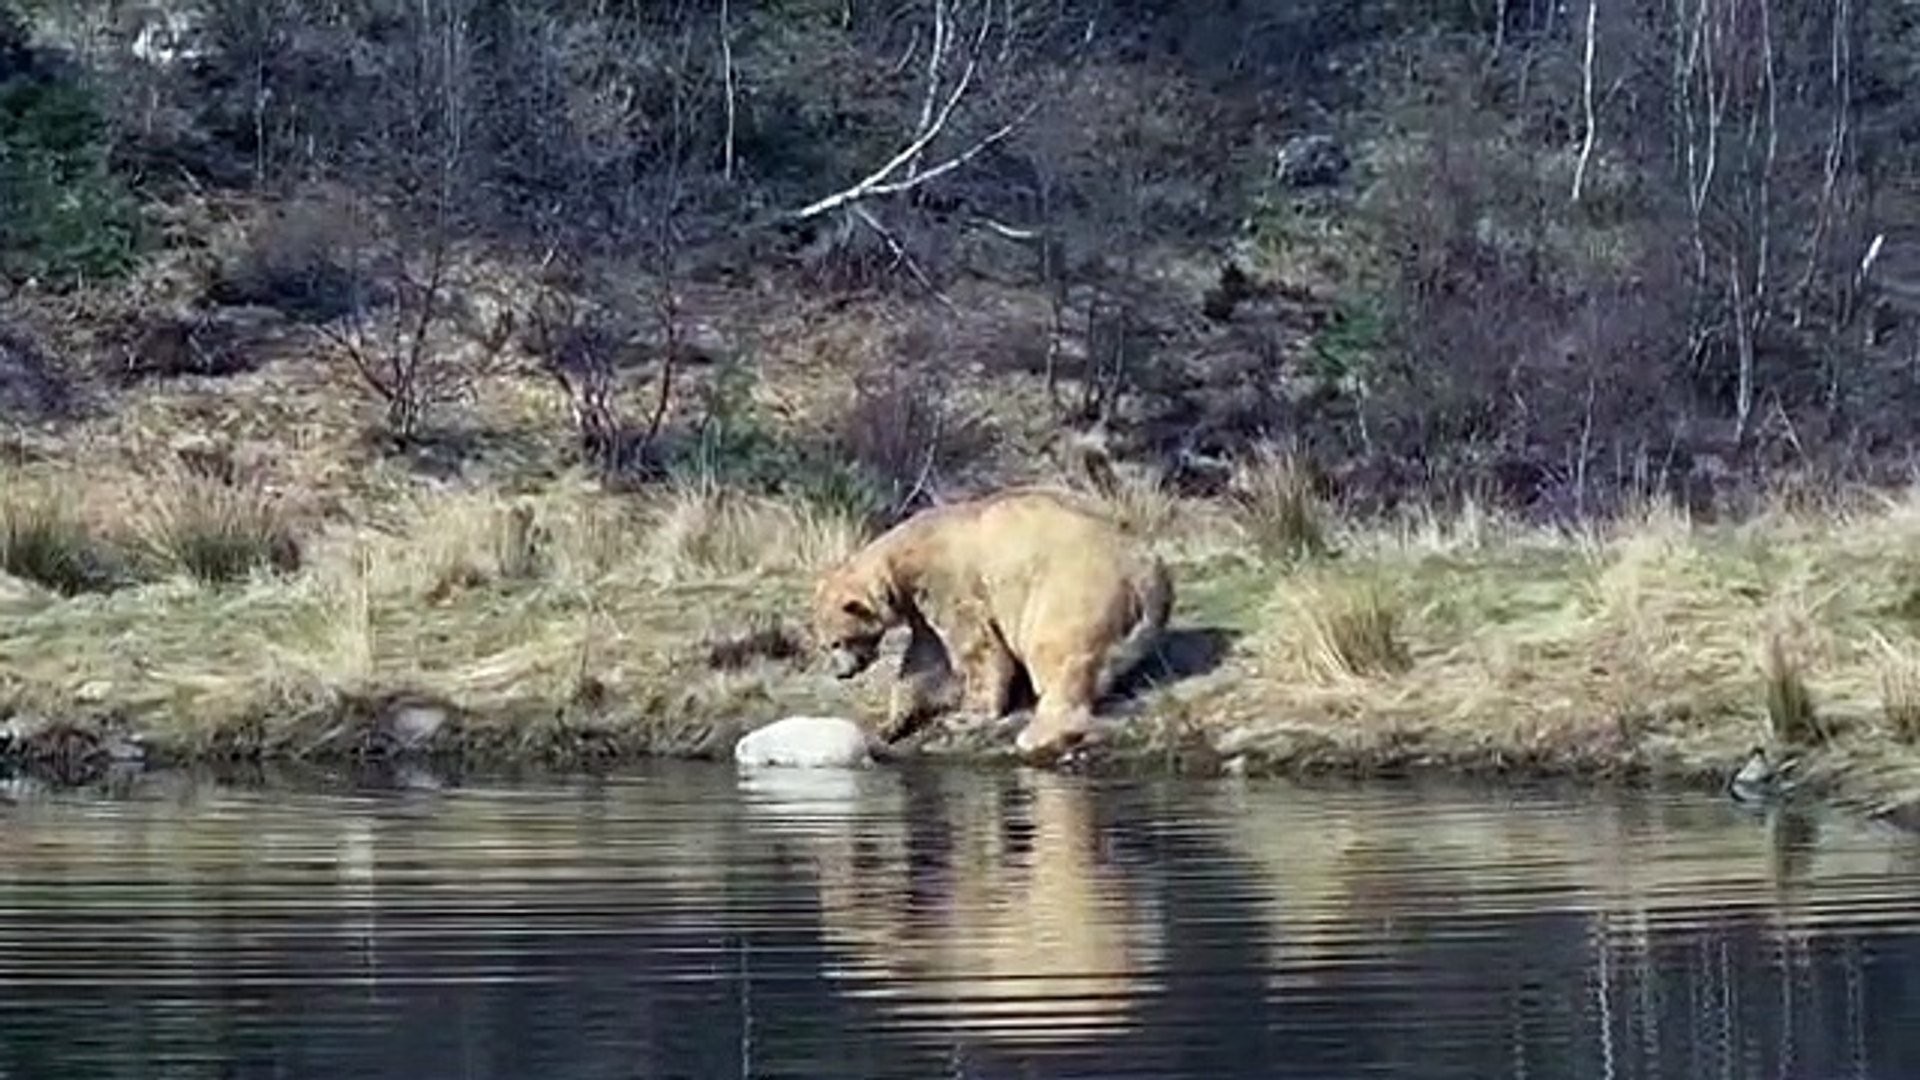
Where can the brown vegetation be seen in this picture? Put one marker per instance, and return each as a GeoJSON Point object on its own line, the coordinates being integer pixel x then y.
{"type": "Point", "coordinates": [531, 322]}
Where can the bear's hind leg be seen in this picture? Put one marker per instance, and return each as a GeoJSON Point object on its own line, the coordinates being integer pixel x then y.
{"type": "Point", "coordinates": [1067, 684]}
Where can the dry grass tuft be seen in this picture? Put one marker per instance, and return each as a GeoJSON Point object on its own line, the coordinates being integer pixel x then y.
{"type": "Point", "coordinates": [1334, 629]}
{"type": "Point", "coordinates": [1275, 499]}
{"type": "Point", "coordinates": [1790, 709]}
{"type": "Point", "coordinates": [700, 533]}
{"type": "Point", "coordinates": [212, 530]}
{"type": "Point", "coordinates": [1140, 501]}
{"type": "Point", "coordinates": [43, 542]}
{"type": "Point", "coordinates": [1899, 672]}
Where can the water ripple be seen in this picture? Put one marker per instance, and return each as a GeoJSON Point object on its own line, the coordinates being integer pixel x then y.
{"type": "Point", "coordinates": [683, 921]}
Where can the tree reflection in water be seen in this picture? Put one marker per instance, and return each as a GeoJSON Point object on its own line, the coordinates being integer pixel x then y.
{"type": "Point", "coordinates": [685, 922]}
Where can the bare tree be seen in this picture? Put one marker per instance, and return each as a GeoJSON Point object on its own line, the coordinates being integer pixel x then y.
{"type": "Point", "coordinates": [576, 346]}
{"type": "Point", "coordinates": [1586, 100]}
{"type": "Point", "coordinates": [726, 66]}
{"type": "Point", "coordinates": [887, 179]}
{"type": "Point", "coordinates": [955, 74]}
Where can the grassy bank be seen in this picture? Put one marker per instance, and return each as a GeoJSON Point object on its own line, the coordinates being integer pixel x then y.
{"type": "Point", "coordinates": [567, 626]}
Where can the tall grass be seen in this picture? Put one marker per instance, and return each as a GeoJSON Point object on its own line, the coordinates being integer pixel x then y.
{"type": "Point", "coordinates": [1790, 708]}
{"type": "Point", "coordinates": [1331, 629]}
{"type": "Point", "coordinates": [705, 532]}
{"type": "Point", "coordinates": [44, 542]}
{"type": "Point", "coordinates": [213, 530]}
{"type": "Point", "coordinates": [1276, 500]}
{"type": "Point", "coordinates": [1899, 679]}
{"type": "Point", "coordinates": [1650, 638]}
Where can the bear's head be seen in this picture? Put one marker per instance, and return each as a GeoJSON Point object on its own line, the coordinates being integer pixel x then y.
{"type": "Point", "coordinates": [851, 613]}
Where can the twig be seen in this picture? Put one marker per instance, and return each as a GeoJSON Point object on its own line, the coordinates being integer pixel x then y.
{"type": "Point", "coordinates": [1011, 232]}
{"type": "Point", "coordinates": [926, 464]}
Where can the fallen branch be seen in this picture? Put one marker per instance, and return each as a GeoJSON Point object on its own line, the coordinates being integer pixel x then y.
{"type": "Point", "coordinates": [887, 179]}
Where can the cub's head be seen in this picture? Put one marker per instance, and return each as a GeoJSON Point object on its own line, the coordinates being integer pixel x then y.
{"type": "Point", "coordinates": [851, 613]}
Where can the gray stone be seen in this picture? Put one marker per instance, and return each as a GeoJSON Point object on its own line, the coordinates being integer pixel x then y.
{"type": "Point", "coordinates": [19, 729]}
{"type": "Point", "coordinates": [1310, 161]}
{"type": "Point", "coordinates": [412, 726]}
{"type": "Point", "coordinates": [805, 742]}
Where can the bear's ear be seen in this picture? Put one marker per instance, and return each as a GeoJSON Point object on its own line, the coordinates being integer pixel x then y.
{"type": "Point", "coordinates": [857, 609]}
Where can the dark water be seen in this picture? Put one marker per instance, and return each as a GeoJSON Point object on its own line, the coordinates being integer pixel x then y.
{"type": "Point", "coordinates": [682, 923]}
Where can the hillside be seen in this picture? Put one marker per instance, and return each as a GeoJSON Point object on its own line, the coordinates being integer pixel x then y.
{"type": "Point", "coordinates": [414, 339]}
{"type": "Point", "coordinates": [1351, 227]}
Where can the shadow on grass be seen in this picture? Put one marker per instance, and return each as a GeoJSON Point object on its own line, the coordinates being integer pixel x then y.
{"type": "Point", "coordinates": [1185, 652]}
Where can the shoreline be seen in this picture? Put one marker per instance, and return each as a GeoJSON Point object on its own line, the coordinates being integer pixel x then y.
{"type": "Point", "coordinates": [575, 631]}
{"type": "Point", "coordinates": [89, 748]}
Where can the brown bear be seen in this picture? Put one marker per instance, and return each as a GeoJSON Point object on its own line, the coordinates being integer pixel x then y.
{"type": "Point", "coordinates": [1027, 578]}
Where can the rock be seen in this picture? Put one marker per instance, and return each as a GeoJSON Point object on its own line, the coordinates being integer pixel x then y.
{"type": "Point", "coordinates": [805, 742]}
{"type": "Point", "coordinates": [21, 728]}
{"type": "Point", "coordinates": [19, 597]}
{"type": "Point", "coordinates": [93, 691]}
{"type": "Point", "coordinates": [1310, 161]}
{"type": "Point", "coordinates": [412, 726]}
{"type": "Point", "coordinates": [125, 749]}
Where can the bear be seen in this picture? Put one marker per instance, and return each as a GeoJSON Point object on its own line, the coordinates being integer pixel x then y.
{"type": "Point", "coordinates": [1030, 580]}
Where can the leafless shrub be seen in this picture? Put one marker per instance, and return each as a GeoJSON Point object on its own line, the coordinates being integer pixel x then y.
{"type": "Point", "coordinates": [1510, 347]}
{"type": "Point", "coordinates": [579, 348]}
{"type": "Point", "coordinates": [902, 425]}
{"type": "Point", "coordinates": [412, 355]}
{"type": "Point", "coordinates": [160, 345]}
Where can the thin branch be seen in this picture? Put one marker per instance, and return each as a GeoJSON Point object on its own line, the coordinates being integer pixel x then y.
{"type": "Point", "coordinates": [921, 481]}
{"type": "Point", "coordinates": [942, 34]}
{"type": "Point", "coordinates": [1586, 93]}
{"type": "Point", "coordinates": [1743, 341]}
{"type": "Point", "coordinates": [1762, 277]}
{"type": "Point", "coordinates": [726, 67]}
{"type": "Point", "coordinates": [992, 138]}
{"type": "Point", "coordinates": [1839, 78]}
{"type": "Point", "coordinates": [1011, 232]}
{"type": "Point", "coordinates": [913, 149]}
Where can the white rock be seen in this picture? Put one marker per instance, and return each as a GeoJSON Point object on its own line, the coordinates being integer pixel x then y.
{"type": "Point", "coordinates": [805, 742]}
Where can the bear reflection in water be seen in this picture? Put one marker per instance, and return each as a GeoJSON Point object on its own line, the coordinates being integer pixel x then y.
{"type": "Point", "coordinates": [952, 919]}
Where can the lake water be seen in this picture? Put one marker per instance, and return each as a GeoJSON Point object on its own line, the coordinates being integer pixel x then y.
{"type": "Point", "coordinates": [681, 922]}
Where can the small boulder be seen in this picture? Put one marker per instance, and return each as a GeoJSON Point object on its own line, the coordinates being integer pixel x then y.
{"type": "Point", "coordinates": [1306, 161]}
{"type": "Point", "coordinates": [413, 726]}
{"type": "Point", "coordinates": [805, 742]}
